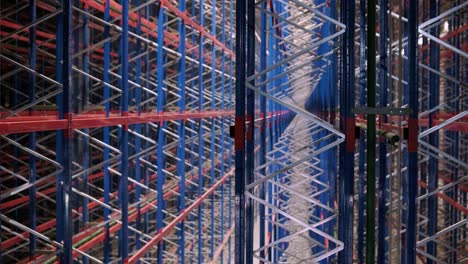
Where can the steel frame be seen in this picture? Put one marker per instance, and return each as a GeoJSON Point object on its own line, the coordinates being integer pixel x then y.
{"type": "Point", "coordinates": [114, 131]}
{"type": "Point", "coordinates": [293, 187]}
{"type": "Point", "coordinates": [119, 121]}
{"type": "Point", "coordinates": [415, 225]}
{"type": "Point", "coordinates": [419, 108]}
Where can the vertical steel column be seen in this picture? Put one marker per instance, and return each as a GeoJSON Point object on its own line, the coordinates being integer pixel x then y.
{"type": "Point", "coordinates": [383, 85]}
{"type": "Point", "coordinates": [201, 142]}
{"type": "Point", "coordinates": [433, 170]}
{"type": "Point", "coordinates": [250, 119]}
{"type": "Point", "coordinates": [271, 140]}
{"type": "Point", "coordinates": [123, 188]}
{"type": "Point", "coordinates": [181, 132]}
{"type": "Point", "coordinates": [76, 110]}
{"type": "Point", "coordinates": [263, 123]}
{"type": "Point", "coordinates": [64, 138]}
{"type": "Point", "coordinates": [138, 131]}
{"type": "Point", "coordinates": [232, 209]}
{"type": "Point", "coordinates": [412, 131]}
{"type": "Point", "coordinates": [223, 140]}
{"type": "Point", "coordinates": [84, 140]}
{"type": "Point", "coordinates": [32, 136]}
{"type": "Point", "coordinates": [106, 134]}
{"type": "Point", "coordinates": [346, 185]}
{"type": "Point", "coordinates": [240, 132]}
{"type": "Point", "coordinates": [213, 130]}
{"type": "Point", "coordinates": [362, 142]}
{"type": "Point", "coordinates": [161, 174]}
{"type": "Point", "coordinates": [399, 179]}
{"type": "Point", "coordinates": [334, 73]}
{"type": "Point", "coordinates": [424, 83]}
{"type": "Point", "coordinates": [230, 107]}
{"type": "Point", "coordinates": [371, 133]}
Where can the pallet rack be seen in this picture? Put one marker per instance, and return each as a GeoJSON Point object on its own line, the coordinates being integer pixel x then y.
{"type": "Point", "coordinates": [216, 131]}
{"type": "Point", "coordinates": [115, 131]}
{"type": "Point", "coordinates": [372, 166]}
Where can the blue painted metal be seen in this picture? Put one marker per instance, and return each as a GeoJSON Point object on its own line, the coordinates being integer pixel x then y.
{"type": "Point", "coordinates": [138, 97]}
{"type": "Point", "coordinates": [106, 136]}
{"type": "Point", "coordinates": [240, 132]}
{"type": "Point", "coordinates": [263, 125]}
{"type": "Point", "coordinates": [84, 140]}
{"type": "Point", "coordinates": [230, 145]}
{"type": "Point", "coordinates": [64, 138]}
{"type": "Point", "coordinates": [177, 63]}
{"type": "Point", "coordinates": [332, 153]}
{"type": "Point", "coordinates": [413, 131]}
{"type": "Point", "coordinates": [250, 137]}
{"type": "Point", "coordinates": [193, 75]}
{"type": "Point", "coordinates": [346, 179]}
{"type": "Point", "coordinates": [75, 106]}
{"type": "Point", "coordinates": [123, 184]}
{"type": "Point", "coordinates": [32, 136]}
{"type": "Point", "coordinates": [181, 132]}
{"type": "Point", "coordinates": [383, 163]}
{"type": "Point", "coordinates": [272, 139]}
{"type": "Point", "coordinates": [160, 134]}
{"type": "Point", "coordinates": [201, 131]}
{"type": "Point", "coordinates": [213, 131]}
{"type": "Point", "coordinates": [361, 221]}
{"type": "Point", "coordinates": [433, 166]}
{"type": "Point", "coordinates": [371, 133]}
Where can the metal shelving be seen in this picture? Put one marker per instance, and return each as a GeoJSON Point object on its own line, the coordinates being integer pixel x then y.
{"type": "Point", "coordinates": [215, 131]}
{"type": "Point", "coordinates": [115, 122]}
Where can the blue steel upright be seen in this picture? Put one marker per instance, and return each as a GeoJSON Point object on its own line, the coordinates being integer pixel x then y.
{"type": "Point", "coordinates": [32, 136]}
{"type": "Point", "coordinates": [239, 145]}
{"type": "Point", "coordinates": [123, 184]}
{"type": "Point", "coordinates": [411, 219]}
{"type": "Point", "coordinates": [433, 166]}
{"type": "Point", "coordinates": [64, 137]}
{"type": "Point", "coordinates": [250, 141]}
{"type": "Point", "coordinates": [383, 94]}
{"type": "Point", "coordinates": [347, 124]}
{"type": "Point", "coordinates": [181, 132]}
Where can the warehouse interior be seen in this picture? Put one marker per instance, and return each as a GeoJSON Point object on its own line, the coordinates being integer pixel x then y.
{"type": "Point", "coordinates": [222, 131]}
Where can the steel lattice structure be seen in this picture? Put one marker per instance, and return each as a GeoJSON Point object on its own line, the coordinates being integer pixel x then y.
{"type": "Point", "coordinates": [394, 122]}
{"type": "Point", "coordinates": [114, 123]}
{"type": "Point", "coordinates": [216, 131]}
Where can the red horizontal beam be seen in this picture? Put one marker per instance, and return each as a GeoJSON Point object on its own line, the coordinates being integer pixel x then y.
{"type": "Point", "coordinates": [190, 22]}
{"type": "Point", "coordinates": [47, 192]}
{"type": "Point", "coordinates": [223, 245]}
{"type": "Point", "coordinates": [449, 200]}
{"type": "Point", "coordinates": [115, 228]}
{"type": "Point", "coordinates": [151, 28]}
{"type": "Point", "coordinates": [163, 232]}
{"type": "Point", "coordinates": [446, 179]}
{"type": "Point", "coordinates": [171, 39]}
{"type": "Point", "coordinates": [424, 122]}
{"type": "Point", "coordinates": [450, 34]}
{"type": "Point", "coordinates": [454, 126]}
{"type": "Point", "coordinates": [24, 124]}
{"type": "Point", "coordinates": [48, 120]}
{"type": "Point", "coordinates": [51, 223]}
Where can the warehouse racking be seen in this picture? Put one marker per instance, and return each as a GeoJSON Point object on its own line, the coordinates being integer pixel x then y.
{"type": "Point", "coordinates": [217, 131]}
